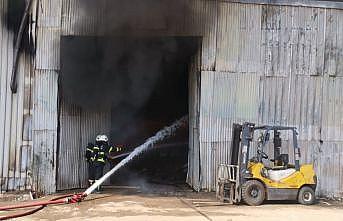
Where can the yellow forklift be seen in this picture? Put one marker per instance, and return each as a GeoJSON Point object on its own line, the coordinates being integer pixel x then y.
{"type": "Point", "coordinates": [253, 181]}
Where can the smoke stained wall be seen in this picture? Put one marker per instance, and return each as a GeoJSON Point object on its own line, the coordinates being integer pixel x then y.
{"type": "Point", "coordinates": [13, 16]}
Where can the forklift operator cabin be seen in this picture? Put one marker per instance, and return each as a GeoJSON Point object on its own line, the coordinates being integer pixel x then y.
{"type": "Point", "coordinates": [127, 88]}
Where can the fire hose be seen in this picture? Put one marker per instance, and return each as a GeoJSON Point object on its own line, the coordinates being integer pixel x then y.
{"type": "Point", "coordinates": [65, 199]}
{"type": "Point", "coordinates": [76, 198]}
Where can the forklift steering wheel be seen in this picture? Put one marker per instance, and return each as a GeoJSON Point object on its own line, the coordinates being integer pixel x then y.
{"type": "Point", "coordinates": [263, 154]}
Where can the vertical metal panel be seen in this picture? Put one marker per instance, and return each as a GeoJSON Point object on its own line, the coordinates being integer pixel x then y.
{"type": "Point", "coordinates": [332, 104]}
{"type": "Point", "coordinates": [205, 19]}
{"type": "Point", "coordinates": [193, 178]}
{"type": "Point", "coordinates": [329, 169]}
{"type": "Point", "coordinates": [334, 42]}
{"type": "Point", "coordinates": [69, 158]}
{"type": "Point", "coordinates": [308, 34]}
{"type": "Point", "coordinates": [238, 39]}
{"type": "Point", "coordinates": [44, 160]}
{"type": "Point", "coordinates": [293, 37]}
{"type": "Point", "coordinates": [20, 148]}
{"type": "Point", "coordinates": [45, 129]}
{"type": "Point", "coordinates": [225, 98]}
{"type": "Point", "coordinates": [14, 153]}
{"type": "Point", "coordinates": [276, 25]}
{"type": "Point", "coordinates": [75, 20]}
{"type": "Point", "coordinates": [45, 100]}
{"type": "Point", "coordinates": [49, 13]}
{"type": "Point", "coordinates": [48, 49]}
{"type": "Point", "coordinates": [77, 128]}
{"type": "Point", "coordinates": [48, 35]}
{"type": "Point", "coordinates": [305, 111]}
{"type": "Point", "coordinates": [6, 40]}
{"type": "Point", "coordinates": [293, 101]}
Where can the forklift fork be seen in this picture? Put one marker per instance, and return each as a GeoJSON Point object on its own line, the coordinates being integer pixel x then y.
{"type": "Point", "coordinates": [228, 183]}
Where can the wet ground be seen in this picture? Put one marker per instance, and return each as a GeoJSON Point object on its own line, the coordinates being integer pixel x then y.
{"type": "Point", "coordinates": [163, 202]}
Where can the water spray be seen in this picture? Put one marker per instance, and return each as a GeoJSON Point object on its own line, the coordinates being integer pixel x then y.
{"type": "Point", "coordinates": [75, 198]}
{"type": "Point", "coordinates": [149, 143]}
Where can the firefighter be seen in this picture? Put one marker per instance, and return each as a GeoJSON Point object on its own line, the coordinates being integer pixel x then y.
{"type": "Point", "coordinates": [90, 160]}
{"type": "Point", "coordinates": [96, 156]}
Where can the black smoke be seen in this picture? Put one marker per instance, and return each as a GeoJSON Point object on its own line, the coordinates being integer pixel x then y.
{"type": "Point", "coordinates": [125, 59]}
{"type": "Point", "coordinates": [12, 19]}
{"type": "Point", "coordinates": [131, 76]}
{"type": "Point", "coordinates": [137, 17]}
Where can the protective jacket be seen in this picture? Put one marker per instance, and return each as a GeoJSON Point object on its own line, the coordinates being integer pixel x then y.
{"type": "Point", "coordinates": [98, 153]}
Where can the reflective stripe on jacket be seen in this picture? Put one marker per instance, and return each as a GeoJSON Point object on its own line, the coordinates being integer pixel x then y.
{"type": "Point", "coordinates": [97, 154]}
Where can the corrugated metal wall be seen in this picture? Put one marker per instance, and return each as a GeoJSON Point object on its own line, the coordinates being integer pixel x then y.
{"type": "Point", "coordinates": [15, 117]}
{"type": "Point", "coordinates": [45, 94]}
{"type": "Point", "coordinates": [77, 128]}
{"type": "Point", "coordinates": [259, 62]}
{"type": "Point", "coordinates": [276, 65]}
{"type": "Point", "coordinates": [194, 80]}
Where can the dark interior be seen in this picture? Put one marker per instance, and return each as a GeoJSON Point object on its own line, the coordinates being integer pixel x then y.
{"type": "Point", "coordinates": [144, 81]}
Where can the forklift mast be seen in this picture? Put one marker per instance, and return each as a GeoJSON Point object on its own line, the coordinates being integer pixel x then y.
{"type": "Point", "coordinates": [241, 138]}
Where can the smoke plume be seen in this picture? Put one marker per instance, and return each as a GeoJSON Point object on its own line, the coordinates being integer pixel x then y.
{"type": "Point", "coordinates": [133, 47]}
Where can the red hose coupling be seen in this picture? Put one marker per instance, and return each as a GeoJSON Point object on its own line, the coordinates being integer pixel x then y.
{"type": "Point", "coordinates": [75, 198]}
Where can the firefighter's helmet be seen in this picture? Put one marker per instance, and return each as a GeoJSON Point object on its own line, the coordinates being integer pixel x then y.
{"type": "Point", "coordinates": [101, 138]}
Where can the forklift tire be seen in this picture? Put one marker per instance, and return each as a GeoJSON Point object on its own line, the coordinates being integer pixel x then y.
{"type": "Point", "coordinates": [253, 192]}
{"type": "Point", "coordinates": [306, 196]}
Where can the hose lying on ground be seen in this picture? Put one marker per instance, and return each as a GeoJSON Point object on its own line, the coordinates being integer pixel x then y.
{"type": "Point", "coordinates": [65, 199]}
{"type": "Point", "coordinates": [149, 143]}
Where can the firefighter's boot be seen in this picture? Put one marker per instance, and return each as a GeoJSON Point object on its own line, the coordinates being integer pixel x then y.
{"type": "Point", "coordinates": [98, 189]}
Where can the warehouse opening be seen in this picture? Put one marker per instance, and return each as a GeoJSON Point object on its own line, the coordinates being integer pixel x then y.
{"type": "Point", "coordinates": [127, 88]}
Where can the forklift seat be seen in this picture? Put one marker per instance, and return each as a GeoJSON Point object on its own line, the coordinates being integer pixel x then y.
{"type": "Point", "coordinates": [277, 175]}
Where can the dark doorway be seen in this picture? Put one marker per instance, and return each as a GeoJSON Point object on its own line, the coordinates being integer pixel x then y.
{"type": "Point", "coordinates": [143, 85]}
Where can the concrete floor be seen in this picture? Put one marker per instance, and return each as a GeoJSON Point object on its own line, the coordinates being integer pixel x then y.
{"type": "Point", "coordinates": [179, 203]}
